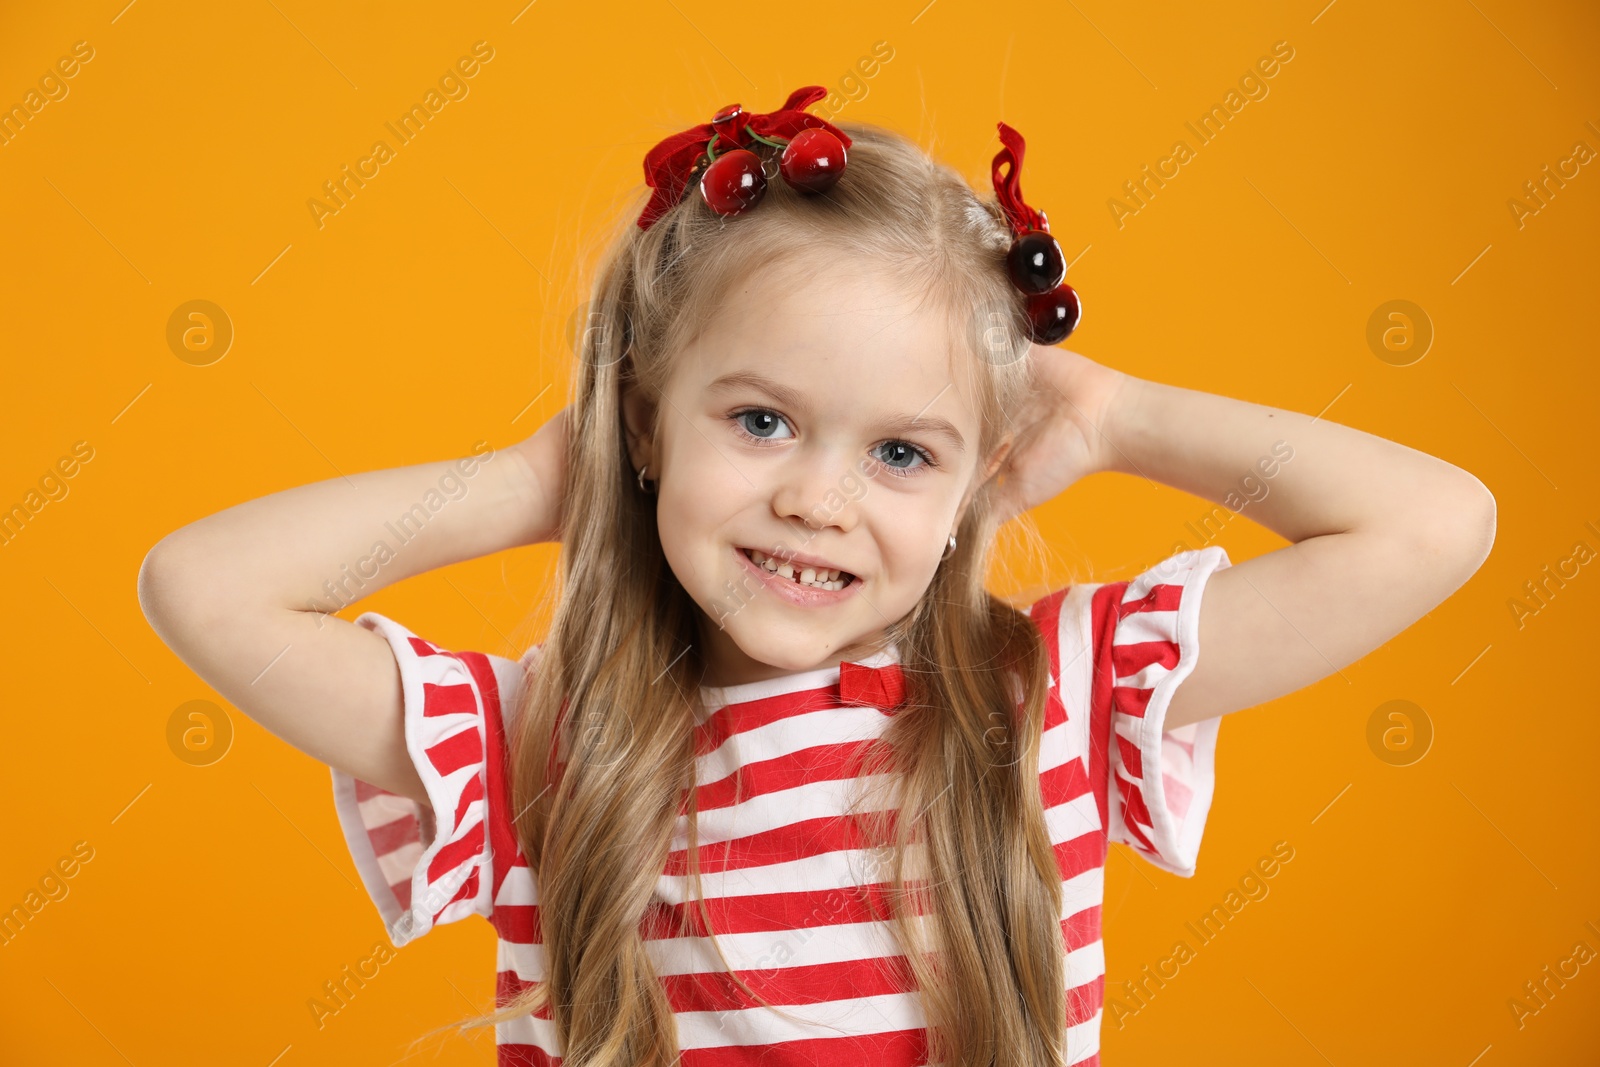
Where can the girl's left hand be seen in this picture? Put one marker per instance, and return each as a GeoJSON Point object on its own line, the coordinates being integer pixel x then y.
{"type": "Point", "coordinates": [1057, 439]}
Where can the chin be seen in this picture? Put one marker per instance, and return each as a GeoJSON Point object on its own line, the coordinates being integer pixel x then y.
{"type": "Point", "coordinates": [784, 652]}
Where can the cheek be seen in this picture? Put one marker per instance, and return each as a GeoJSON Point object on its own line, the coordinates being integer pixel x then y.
{"type": "Point", "coordinates": [911, 532]}
{"type": "Point", "coordinates": [701, 495]}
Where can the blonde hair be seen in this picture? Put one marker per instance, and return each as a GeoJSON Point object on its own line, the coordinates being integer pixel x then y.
{"type": "Point", "coordinates": [602, 747]}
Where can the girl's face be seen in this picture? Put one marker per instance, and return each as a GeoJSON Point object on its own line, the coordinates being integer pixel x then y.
{"type": "Point", "coordinates": [821, 421]}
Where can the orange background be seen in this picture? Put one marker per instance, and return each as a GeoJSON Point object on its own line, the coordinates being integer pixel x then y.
{"type": "Point", "coordinates": [430, 312]}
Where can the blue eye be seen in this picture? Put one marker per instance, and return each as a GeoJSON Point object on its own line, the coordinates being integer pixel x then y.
{"type": "Point", "coordinates": [903, 450]}
{"type": "Point", "coordinates": [767, 421]}
{"type": "Point", "coordinates": [760, 425]}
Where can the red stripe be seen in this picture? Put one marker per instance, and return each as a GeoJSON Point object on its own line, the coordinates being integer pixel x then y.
{"type": "Point", "coordinates": [526, 1056]}
{"type": "Point", "coordinates": [1103, 619]}
{"type": "Point", "coordinates": [456, 852]}
{"type": "Point", "coordinates": [1140, 839]}
{"type": "Point", "coordinates": [769, 912]}
{"type": "Point", "coordinates": [797, 840]}
{"type": "Point", "coordinates": [471, 792]}
{"type": "Point", "coordinates": [1163, 596]}
{"type": "Point", "coordinates": [899, 1046]}
{"type": "Point", "coordinates": [1131, 700]}
{"type": "Point", "coordinates": [467, 891]}
{"type": "Point", "coordinates": [422, 648]}
{"type": "Point", "coordinates": [732, 719]}
{"type": "Point", "coordinates": [1081, 930]}
{"type": "Point", "coordinates": [1132, 657]}
{"type": "Point", "coordinates": [461, 749]}
{"type": "Point", "coordinates": [1083, 853]}
{"type": "Point", "coordinates": [1133, 807]}
{"type": "Point", "coordinates": [505, 852]}
{"type": "Point", "coordinates": [517, 924]}
{"type": "Point", "coordinates": [457, 699]}
{"type": "Point", "coordinates": [822, 763]}
{"type": "Point", "coordinates": [1063, 783]}
{"type": "Point", "coordinates": [1084, 1000]}
{"type": "Point", "coordinates": [392, 836]}
{"type": "Point", "coordinates": [1132, 761]}
{"type": "Point", "coordinates": [785, 984]}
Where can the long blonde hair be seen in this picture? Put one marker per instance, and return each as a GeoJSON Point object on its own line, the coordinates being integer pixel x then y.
{"type": "Point", "coordinates": [602, 747]}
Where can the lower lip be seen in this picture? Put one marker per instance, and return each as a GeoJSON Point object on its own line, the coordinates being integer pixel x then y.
{"type": "Point", "coordinates": [793, 591]}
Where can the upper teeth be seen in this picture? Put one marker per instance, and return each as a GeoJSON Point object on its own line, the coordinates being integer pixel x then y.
{"type": "Point", "coordinates": [820, 577]}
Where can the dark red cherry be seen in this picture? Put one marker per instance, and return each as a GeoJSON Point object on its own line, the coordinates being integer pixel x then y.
{"type": "Point", "coordinates": [734, 182]}
{"type": "Point", "coordinates": [1035, 262]}
{"type": "Point", "coordinates": [813, 161]}
{"type": "Point", "coordinates": [1053, 315]}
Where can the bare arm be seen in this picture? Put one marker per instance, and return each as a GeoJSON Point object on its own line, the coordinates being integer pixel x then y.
{"type": "Point", "coordinates": [1381, 534]}
{"type": "Point", "coordinates": [244, 596]}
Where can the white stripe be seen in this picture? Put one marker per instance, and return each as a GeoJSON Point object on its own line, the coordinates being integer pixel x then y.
{"type": "Point", "coordinates": [848, 724]}
{"type": "Point", "coordinates": [528, 961]}
{"type": "Point", "coordinates": [830, 870]}
{"type": "Point", "coordinates": [772, 950]}
{"type": "Point", "coordinates": [886, 1013]}
{"type": "Point", "coordinates": [1146, 677]}
{"type": "Point", "coordinates": [1076, 817]}
{"type": "Point", "coordinates": [518, 888]}
{"type": "Point", "coordinates": [384, 808]}
{"type": "Point", "coordinates": [784, 807]}
{"type": "Point", "coordinates": [1083, 891]}
{"type": "Point", "coordinates": [1083, 1040]}
{"type": "Point", "coordinates": [1086, 964]}
{"type": "Point", "coordinates": [526, 1030]}
{"type": "Point", "coordinates": [398, 864]}
{"type": "Point", "coordinates": [1070, 740]}
{"type": "Point", "coordinates": [1147, 625]}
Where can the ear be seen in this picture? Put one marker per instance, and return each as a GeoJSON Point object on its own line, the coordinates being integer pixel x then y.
{"type": "Point", "coordinates": [996, 458]}
{"type": "Point", "coordinates": [636, 417]}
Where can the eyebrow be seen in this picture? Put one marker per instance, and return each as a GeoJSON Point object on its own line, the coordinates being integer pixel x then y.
{"type": "Point", "coordinates": [793, 399]}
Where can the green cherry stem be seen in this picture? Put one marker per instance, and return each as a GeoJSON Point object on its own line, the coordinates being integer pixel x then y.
{"type": "Point", "coordinates": [766, 140]}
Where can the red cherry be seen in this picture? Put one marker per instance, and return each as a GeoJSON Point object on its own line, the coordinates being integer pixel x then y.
{"type": "Point", "coordinates": [1035, 262]}
{"type": "Point", "coordinates": [1054, 315]}
{"type": "Point", "coordinates": [734, 182]}
{"type": "Point", "coordinates": [813, 160]}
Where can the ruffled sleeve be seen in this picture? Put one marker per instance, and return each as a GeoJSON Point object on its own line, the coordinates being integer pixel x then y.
{"type": "Point", "coordinates": [426, 865]}
{"type": "Point", "coordinates": [1147, 641]}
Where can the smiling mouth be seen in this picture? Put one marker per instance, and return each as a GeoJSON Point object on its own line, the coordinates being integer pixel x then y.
{"type": "Point", "coordinates": [812, 577]}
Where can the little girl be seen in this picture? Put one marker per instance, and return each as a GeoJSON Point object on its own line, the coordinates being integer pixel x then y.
{"type": "Point", "coordinates": [797, 421]}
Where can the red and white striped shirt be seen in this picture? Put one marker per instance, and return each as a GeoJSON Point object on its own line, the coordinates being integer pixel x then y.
{"type": "Point", "coordinates": [778, 868]}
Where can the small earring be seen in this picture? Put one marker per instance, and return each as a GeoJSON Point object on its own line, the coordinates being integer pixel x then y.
{"type": "Point", "coordinates": [642, 469]}
{"type": "Point", "coordinates": [951, 550]}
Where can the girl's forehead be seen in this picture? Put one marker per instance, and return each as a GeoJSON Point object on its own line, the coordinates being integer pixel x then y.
{"type": "Point", "coordinates": [850, 323]}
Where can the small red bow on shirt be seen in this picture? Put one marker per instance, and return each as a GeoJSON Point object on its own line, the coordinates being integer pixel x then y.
{"type": "Point", "coordinates": [669, 165]}
{"type": "Point", "coordinates": [875, 687]}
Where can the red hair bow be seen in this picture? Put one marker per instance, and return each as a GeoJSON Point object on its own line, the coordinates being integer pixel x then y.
{"type": "Point", "coordinates": [1008, 190]}
{"type": "Point", "coordinates": [669, 166]}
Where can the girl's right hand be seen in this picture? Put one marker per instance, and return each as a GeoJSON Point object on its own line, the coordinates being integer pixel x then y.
{"type": "Point", "coordinates": [544, 458]}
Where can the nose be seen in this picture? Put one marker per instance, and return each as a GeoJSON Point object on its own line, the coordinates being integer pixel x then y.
{"type": "Point", "coordinates": [811, 489]}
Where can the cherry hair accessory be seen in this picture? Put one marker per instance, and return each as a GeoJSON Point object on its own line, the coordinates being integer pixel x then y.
{"type": "Point", "coordinates": [732, 178]}
{"type": "Point", "coordinates": [1034, 263]}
